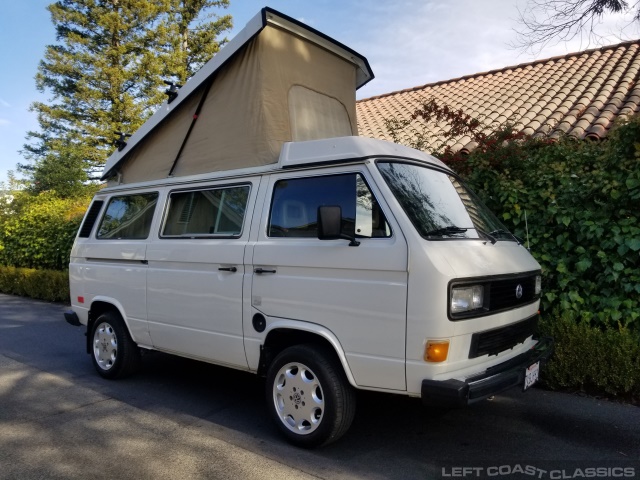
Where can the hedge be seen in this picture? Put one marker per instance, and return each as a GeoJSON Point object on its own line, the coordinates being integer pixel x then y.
{"type": "Point", "coordinates": [38, 231]}
{"type": "Point", "coordinates": [596, 361]}
{"type": "Point", "coordinates": [50, 285]}
{"type": "Point", "coordinates": [577, 202]}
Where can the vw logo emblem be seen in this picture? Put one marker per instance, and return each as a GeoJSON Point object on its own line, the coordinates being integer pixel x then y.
{"type": "Point", "coordinates": [519, 292]}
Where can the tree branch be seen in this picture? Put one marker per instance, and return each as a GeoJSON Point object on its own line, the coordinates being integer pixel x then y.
{"type": "Point", "coordinates": [545, 21]}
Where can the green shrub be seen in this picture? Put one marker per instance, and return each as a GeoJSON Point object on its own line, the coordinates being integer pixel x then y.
{"type": "Point", "coordinates": [50, 285]}
{"type": "Point", "coordinates": [592, 360]}
{"type": "Point", "coordinates": [38, 232]}
{"type": "Point", "coordinates": [580, 201]}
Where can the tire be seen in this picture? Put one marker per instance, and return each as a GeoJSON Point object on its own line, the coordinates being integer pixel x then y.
{"type": "Point", "coordinates": [113, 352]}
{"type": "Point", "coordinates": [309, 396]}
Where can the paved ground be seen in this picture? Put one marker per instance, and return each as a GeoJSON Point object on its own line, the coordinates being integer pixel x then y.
{"type": "Point", "coordinates": [180, 419]}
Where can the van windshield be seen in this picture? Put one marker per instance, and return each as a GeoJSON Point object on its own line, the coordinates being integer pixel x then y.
{"type": "Point", "coordinates": [439, 205]}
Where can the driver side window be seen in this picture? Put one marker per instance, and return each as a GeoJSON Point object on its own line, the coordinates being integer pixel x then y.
{"type": "Point", "coordinates": [294, 208]}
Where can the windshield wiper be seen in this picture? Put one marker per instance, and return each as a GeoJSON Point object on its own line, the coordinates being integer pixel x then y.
{"type": "Point", "coordinates": [450, 230]}
{"type": "Point", "coordinates": [501, 231]}
{"type": "Point", "coordinates": [486, 235]}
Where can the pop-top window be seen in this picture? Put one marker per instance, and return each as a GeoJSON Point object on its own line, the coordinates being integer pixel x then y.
{"type": "Point", "coordinates": [294, 210]}
{"type": "Point", "coordinates": [209, 212]}
{"type": "Point", "coordinates": [128, 217]}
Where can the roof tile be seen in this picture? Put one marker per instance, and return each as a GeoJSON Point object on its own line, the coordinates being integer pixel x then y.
{"type": "Point", "coordinates": [579, 94]}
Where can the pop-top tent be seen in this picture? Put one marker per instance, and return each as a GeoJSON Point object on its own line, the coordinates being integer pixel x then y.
{"type": "Point", "coordinates": [276, 81]}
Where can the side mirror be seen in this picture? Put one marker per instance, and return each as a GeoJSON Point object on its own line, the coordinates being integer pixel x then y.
{"type": "Point", "coordinates": [330, 225]}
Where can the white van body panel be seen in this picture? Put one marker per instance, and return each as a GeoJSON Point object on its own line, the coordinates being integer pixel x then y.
{"type": "Point", "coordinates": [76, 290]}
{"type": "Point", "coordinates": [431, 266]}
{"type": "Point", "coordinates": [195, 287]}
{"type": "Point", "coordinates": [113, 272]}
{"type": "Point", "coordinates": [343, 149]}
{"type": "Point", "coordinates": [359, 293]}
{"type": "Point", "coordinates": [121, 285]}
{"type": "Point", "coordinates": [193, 307]}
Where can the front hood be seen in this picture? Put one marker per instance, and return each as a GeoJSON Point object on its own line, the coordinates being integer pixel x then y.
{"type": "Point", "coordinates": [473, 258]}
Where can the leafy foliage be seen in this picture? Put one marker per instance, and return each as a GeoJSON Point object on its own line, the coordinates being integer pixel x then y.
{"type": "Point", "coordinates": [190, 35]}
{"type": "Point", "coordinates": [49, 285]}
{"type": "Point", "coordinates": [416, 132]}
{"type": "Point", "coordinates": [415, 129]}
{"type": "Point", "coordinates": [580, 201]}
{"type": "Point", "coordinates": [592, 360]}
{"type": "Point", "coordinates": [106, 75]}
{"type": "Point", "coordinates": [38, 231]}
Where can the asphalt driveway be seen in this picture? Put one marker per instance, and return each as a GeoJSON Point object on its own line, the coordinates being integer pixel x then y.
{"type": "Point", "coordinates": [183, 419]}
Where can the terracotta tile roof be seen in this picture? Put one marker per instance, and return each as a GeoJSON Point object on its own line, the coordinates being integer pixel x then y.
{"type": "Point", "coordinates": [579, 94]}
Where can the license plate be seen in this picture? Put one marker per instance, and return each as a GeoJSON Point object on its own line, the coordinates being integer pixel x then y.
{"type": "Point", "coordinates": [531, 375]}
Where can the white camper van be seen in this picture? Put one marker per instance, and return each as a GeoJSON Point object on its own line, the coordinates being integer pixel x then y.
{"type": "Point", "coordinates": [247, 225]}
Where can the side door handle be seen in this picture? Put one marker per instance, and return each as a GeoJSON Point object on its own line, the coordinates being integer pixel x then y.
{"type": "Point", "coordinates": [263, 270]}
{"type": "Point", "coordinates": [228, 269]}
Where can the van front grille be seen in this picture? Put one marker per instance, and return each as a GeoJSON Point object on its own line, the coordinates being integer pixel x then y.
{"type": "Point", "coordinates": [503, 292]}
{"type": "Point", "coordinates": [492, 342]}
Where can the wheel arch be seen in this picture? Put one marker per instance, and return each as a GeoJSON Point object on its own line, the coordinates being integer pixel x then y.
{"type": "Point", "coordinates": [99, 306]}
{"type": "Point", "coordinates": [286, 334]}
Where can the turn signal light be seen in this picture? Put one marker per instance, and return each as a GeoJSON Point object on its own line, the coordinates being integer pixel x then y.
{"type": "Point", "coordinates": [436, 351]}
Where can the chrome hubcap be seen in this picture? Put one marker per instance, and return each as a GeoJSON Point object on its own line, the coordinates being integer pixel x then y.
{"type": "Point", "coordinates": [298, 398]}
{"type": "Point", "coordinates": [105, 346]}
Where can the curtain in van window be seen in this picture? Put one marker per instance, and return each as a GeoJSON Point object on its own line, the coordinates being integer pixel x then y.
{"type": "Point", "coordinates": [207, 212]}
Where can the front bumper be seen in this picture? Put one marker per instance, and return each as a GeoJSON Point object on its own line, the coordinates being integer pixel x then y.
{"type": "Point", "coordinates": [458, 393]}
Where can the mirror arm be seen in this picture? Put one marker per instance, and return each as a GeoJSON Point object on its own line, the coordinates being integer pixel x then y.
{"type": "Point", "coordinates": [352, 240]}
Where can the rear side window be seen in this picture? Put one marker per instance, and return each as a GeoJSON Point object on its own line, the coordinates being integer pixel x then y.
{"type": "Point", "coordinates": [211, 212]}
{"type": "Point", "coordinates": [128, 217]}
{"type": "Point", "coordinates": [90, 219]}
{"type": "Point", "coordinates": [294, 210]}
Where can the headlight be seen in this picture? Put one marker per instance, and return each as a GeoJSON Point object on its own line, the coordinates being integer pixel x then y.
{"type": "Point", "coordinates": [465, 299]}
{"type": "Point", "coordinates": [538, 285]}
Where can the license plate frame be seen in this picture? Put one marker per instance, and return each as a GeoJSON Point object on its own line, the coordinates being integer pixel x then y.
{"type": "Point", "coordinates": [531, 375]}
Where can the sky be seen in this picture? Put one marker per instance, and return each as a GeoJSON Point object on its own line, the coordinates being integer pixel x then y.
{"type": "Point", "coordinates": [407, 42]}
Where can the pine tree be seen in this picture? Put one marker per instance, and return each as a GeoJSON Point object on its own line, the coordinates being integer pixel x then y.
{"type": "Point", "coordinates": [191, 37]}
{"type": "Point", "coordinates": [106, 75]}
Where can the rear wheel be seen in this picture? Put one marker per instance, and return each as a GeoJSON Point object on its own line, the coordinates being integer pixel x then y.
{"type": "Point", "coordinates": [113, 352]}
{"type": "Point", "coordinates": [309, 396]}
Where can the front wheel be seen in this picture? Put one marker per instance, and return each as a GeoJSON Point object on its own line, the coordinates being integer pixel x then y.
{"type": "Point", "coordinates": [113, 352]}
{"type": "Point", "coordinates": [309, 396]}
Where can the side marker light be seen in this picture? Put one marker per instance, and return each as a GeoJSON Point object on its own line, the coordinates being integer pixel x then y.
{"type": "Point", "coordinates": [436, 351]}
